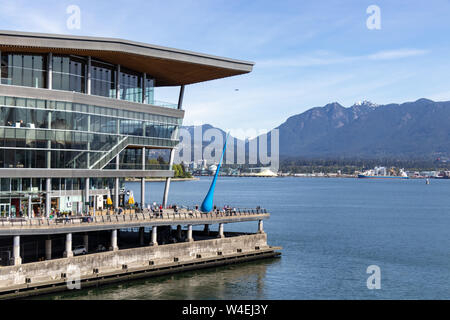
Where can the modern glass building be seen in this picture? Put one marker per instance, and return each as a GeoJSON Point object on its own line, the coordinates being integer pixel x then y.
{"type": "Point", "coordinates": [78, 115]}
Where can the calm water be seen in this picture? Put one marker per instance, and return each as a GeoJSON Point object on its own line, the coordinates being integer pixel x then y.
{"type": "Point", "coordinates": [331, 230]}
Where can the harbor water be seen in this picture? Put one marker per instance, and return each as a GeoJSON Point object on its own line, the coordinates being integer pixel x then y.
{"type": "Point", "coordinates": [331, 231]}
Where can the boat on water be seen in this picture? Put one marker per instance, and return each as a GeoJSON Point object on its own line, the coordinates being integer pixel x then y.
{"type": "Point", "coordinates": [383, 173]}
{"type": "Point", "coordinates": [381, 177]}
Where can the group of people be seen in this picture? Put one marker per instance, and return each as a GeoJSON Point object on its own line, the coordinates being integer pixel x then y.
{"type": "Point", "coordinates": [20, 123]}
{"type": "Point", "coordinates": [56, 213]}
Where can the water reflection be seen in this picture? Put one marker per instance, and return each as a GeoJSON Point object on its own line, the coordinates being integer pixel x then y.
{"type": "Point", "coordinates": [240, 281]}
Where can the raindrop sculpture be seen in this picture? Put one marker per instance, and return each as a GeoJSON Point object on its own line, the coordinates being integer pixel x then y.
{"type": "Point", "coordinates": [207, 204]}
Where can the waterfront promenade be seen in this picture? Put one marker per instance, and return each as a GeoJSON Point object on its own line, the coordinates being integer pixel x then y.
{"type": "Point", "coordinates": [168, 217]}
{"type": "Point", "coordinates": [165, 250]}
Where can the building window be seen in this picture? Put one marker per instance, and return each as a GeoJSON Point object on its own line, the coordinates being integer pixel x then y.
{"type": "Point", "coordinates": [102, 80]}
{"type": "Point", "coordinates": [24, 70]}
{"type": "Point", "coordinates": [130, 86]}
{"type": "Point", "coordinates": [149, 91]}
{"type": "Point", "coordinates": [68, 73]}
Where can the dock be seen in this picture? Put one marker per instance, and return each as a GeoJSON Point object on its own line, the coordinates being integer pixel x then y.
{"type": "Point", "coordinates": [171, 246]}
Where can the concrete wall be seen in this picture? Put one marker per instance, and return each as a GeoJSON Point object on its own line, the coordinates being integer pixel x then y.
{"type": "Point", "coordinates": [113, 260]}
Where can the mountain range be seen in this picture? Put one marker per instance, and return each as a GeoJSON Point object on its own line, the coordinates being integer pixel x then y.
{"type": "Point", "coordinates": [411, 130]}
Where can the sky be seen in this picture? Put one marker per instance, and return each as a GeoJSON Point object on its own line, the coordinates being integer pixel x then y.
{"type": "Point", "coordinates": [306, 53]}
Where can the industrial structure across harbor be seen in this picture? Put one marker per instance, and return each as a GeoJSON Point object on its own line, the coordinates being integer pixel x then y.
{"type": "Point", "coordinates": [78, 117]}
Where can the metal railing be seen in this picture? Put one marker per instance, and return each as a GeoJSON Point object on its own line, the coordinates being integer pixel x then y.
{"type": "Point", "coordinates": [145, 215]}
{"type": "Point", "coordinates": [164, 104]}
{"type": "Point", "coordinates": [106, 158]}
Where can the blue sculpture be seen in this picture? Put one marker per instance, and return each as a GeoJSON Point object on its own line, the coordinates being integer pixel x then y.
{"type": "Point", "coordinates": [207, 204]}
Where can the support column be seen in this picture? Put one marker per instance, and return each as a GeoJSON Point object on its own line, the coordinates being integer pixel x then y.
{"type": "Point", "coordinates": [88, 82]}
{"type": "Point", "coordinates": [180, 99]}
{"type": "Point", "coordinates": [86, 241]}
{"type": "Point", "coordinates": [167, 185]}
{"type": "Point", "coordinates": [206, 229]}
{"type": "Point", "coordinates": [144, 78]}
{"type": "Point", "coordinates": [116, 193]}
{"type": "Point", "coordinates": [221, 234]}
{"type": "Point", "coordinates": [68, 253]}
{"type": "Point", "coordinates": [179, 235]}
{"type": "Point", "coordinates": [189, 234]}
{"type": "Point", "coordinates": [50, 71]}
{"type": "Point", "coordinates": [118, 81]}
{"type": "Point", "coordinates": [154, 241]}
{"type": "Point", "coordinates": [86, 194]}
{"type": "Point", "coordinates": [142, 193]}
{"type": "Point", "coordinates": [49, 142]}
{"type": "Point", "coordinates": [48, 249]}
{"type": "Point", "coordinates": [88, 154]}
{"type": "Point", "coordinates": [141, 236]}
{"type": "Point", "coordinates": [114, 246]}
{"type": "Point", "coordinates": [30, 207]}
{"type": "Point", "coordinates": [48, 199]}
{"type": "Point", "coordinates": [260, 226]}
{"type": "Point", "coordinates": [143, 181]}
{"type": "Point", "coordinates": [17, 260]}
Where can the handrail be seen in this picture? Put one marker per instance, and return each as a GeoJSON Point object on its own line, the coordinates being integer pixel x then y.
{"type": "Point", "coordinates": [167, 214]}
{"type": "Point", "coordinates": [114, 150]}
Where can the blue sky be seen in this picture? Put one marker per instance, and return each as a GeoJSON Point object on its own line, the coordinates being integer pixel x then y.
{"type": "Point", "coordinates": [307, 53]}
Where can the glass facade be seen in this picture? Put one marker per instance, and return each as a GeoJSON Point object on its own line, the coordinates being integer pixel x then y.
{"type": "Point", "coordinates": [130, 85]}
{"type": "Point", "coordinates": [51, 134]}
{"type": "Point", "coordinates": [69, 73]}
{"type": "Point", "coordinates": [103, 81]}
{"type": "Point", "coordinates": [149, 91]}
{"type": "Point", "coordinates": [131, 159]}
{"type": "Point", "coordinates": [37, 185]}
{"type": "Point", "coordinates": [29, 70]}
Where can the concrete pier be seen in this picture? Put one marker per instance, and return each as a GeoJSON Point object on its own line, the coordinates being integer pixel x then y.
{"type": "Point", "coordinates": [141, 236]}
{"type": "Point", "coordinates": [68, 253]}
{"type": "Point", "coordinates": [221, 234]}
{"type": "Point", "coordinates": [48, 249]}
{"type": "Point", "coordinates": [189, 234]}
{"type": "Point", "coordinates": [17, 260]}
{"type": "Point", "coordinates": [114, 246]}
{"type": "Point", "coordinates": [86, 241]}
{"type": "Point", "coordinates": [47, 276]}
{"type": "Point", "coordinates": [179, 233]}
{"type": "Point", "coordinates": [260, 226]}
{"type": "Point", "coordinates": [154, 241]}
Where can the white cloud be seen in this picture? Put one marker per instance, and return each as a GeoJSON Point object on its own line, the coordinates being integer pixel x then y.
{"type": "Point", "coordinates": [29, 18]}
{"type": "Point", "coordinates": [397, 54]}
{"type": "Point", "coordinates": [322, 58]}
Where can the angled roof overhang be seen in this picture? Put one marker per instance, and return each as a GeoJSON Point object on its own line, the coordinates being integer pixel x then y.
{"type": "Point", "coordinates": [169, 67]}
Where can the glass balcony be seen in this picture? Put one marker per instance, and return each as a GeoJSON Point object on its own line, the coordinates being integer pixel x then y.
{"type": "Point", "coordinates": [164, 104]}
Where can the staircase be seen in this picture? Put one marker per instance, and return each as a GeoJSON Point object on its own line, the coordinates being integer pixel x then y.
{"type": "Point", "coordinates": [104, 158]}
